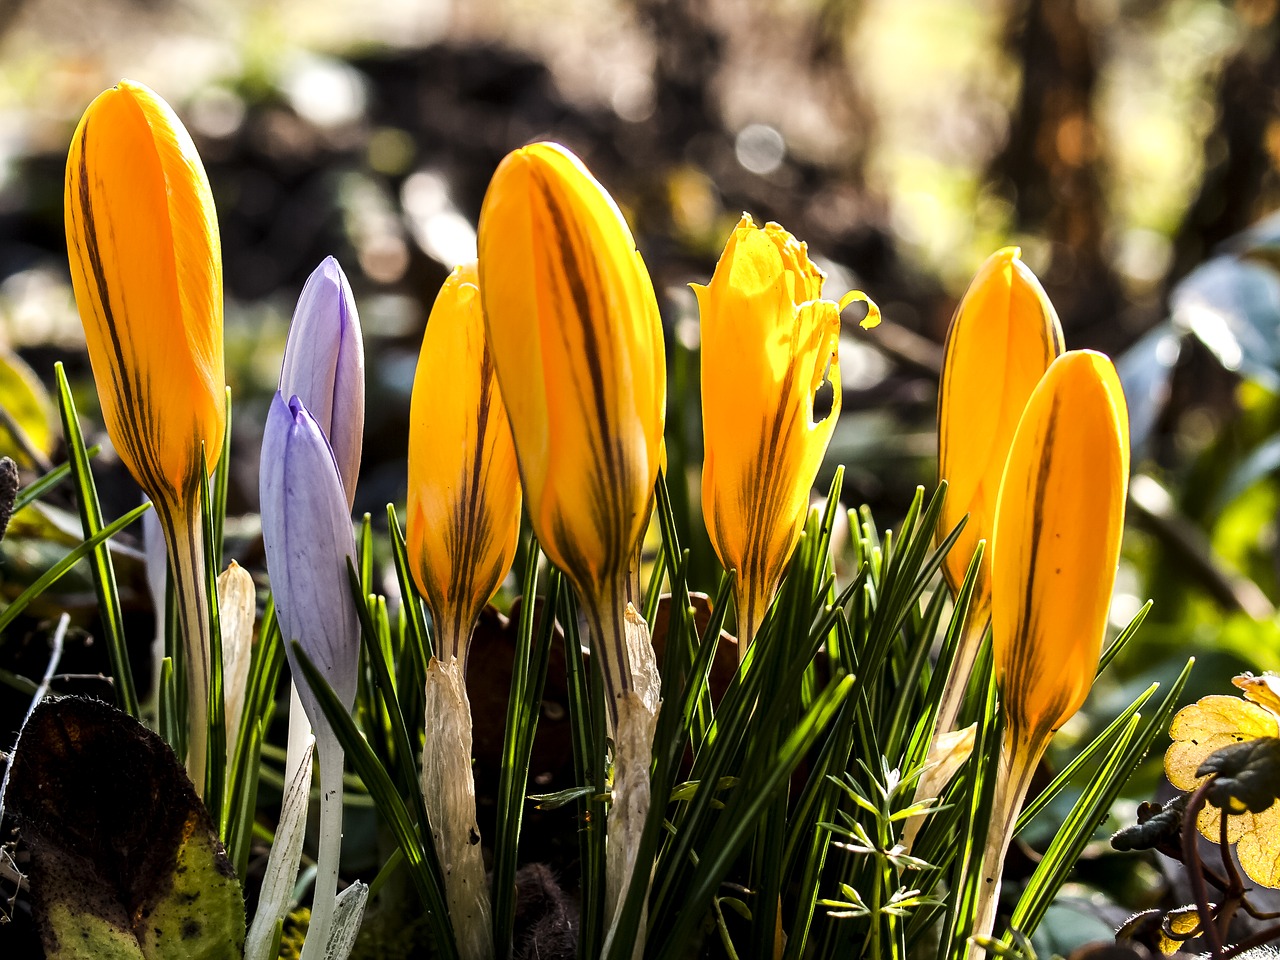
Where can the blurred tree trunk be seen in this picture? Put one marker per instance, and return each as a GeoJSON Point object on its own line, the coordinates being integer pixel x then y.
{"type": "Point", "coordinates": [1240, 181]}
{"type": "Point", "coordinates": [1051, 167]}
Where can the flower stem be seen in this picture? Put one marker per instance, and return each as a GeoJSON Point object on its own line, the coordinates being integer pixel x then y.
{"type": "Point", "coordinates": [975, 627]}
{"type": "Point", "coordinates": [620, 639]}
{"type": "Point", "coordinates": [184, 540]}
{"type": "Point", "coordinates": [1018, 760]}
{"type": "Point", "coordinates": [329, 849]}
{"type": "Point", "coordinates": [448, 790]}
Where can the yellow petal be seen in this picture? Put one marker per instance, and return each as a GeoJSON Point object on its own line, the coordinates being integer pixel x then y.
{"type": "Point", "coordinates": [1003, 337]}
{"type": "Point", "coordinates": [146, 266]}
{"type": "Point", "coordinates": [464, 486]}
{"type": "Point", "coordinates": [1210, 724]}
{"type": "Point", "coordinates": [1059, 518]}
{"type": "Point", "coordinates": [577, 341]}
{"type": "Point", "coordinates": [769, 342]}
{"type": "Point", "coordinates": [1198, 730]}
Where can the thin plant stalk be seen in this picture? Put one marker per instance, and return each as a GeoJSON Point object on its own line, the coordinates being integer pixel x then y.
{"type": "Point", "coordinates": [329, 848]}
{"type": "Point", "coordinates": [286, 851]}
{"type": "Point", "coordinates": [449, 793]}
{"type": "Point", "coordinates": [184, 541]}
{"type": "Point", "coordinates": [1018, 760]}
{"type": "Point", "coordinates": [632, 684]}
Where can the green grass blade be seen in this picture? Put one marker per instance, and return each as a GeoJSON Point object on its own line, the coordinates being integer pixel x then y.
{"type": "Point", "coordinates": [104, 576]}
{"type": "Point", "coordinates": [742, 814]}
{"type": "Point", "coordinates": [59, 569]}
{"type": "Point", "coordinates": [533, 654]}
{"type": "Point", "coordinates": [39, 487]}
{"type": "Point", "coordinates": [1102, 740]}
{"type": "Point", "coordinates": [216, 742]}
{"type": "Point", "coordinates": [221, 481]}
{"type": "Point", "coordinates": [1123, 639]}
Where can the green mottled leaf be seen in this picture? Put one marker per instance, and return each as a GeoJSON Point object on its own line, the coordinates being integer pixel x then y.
{"type": "Point", "coordinates": [125, 861]}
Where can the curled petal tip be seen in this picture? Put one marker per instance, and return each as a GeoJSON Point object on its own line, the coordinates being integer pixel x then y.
{"type": "Point", "coordinates": [873, 317]}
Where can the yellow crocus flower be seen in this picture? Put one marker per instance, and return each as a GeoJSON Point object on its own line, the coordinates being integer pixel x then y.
{"type": "Point", "coordinates": [577, 341]}
{"type": "Point", "coordinates": [769, 342]}
{"type": "Point", "coordinates": [1003, 337]}
{"type": "Point", "coordinates": [464, 485]}
{"type": "Point", "coordinates": [1059, 519]}
{"type": "Point", "coordinates": [146, 266]}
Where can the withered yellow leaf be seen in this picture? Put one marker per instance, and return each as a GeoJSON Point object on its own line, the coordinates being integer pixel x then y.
{"type": "Point", "coordinates": [1211, 724]}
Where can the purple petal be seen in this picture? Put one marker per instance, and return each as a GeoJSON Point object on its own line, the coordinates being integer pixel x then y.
{"type": "Point", "coordinates": [324, 365]}
{"type": "Point", "coordinates": [306, 530]}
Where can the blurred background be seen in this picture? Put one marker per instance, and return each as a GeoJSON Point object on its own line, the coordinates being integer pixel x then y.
{"type": "Point", "coordinates": [1131, 148]}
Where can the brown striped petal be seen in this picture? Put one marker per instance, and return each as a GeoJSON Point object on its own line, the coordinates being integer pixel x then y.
{"type": "Point", "coordinates": [142, 239]}
{"type": "Point", "coordinates": [1003, 337]}
{"type": "Point", "coordinates": [769, 342]}
{"type": "Point", "coordinates": [1059, 518]}
{"type": "Point", "coordinates": [577, 341]}
{"type": "Point", "coordinates": [464, 486]}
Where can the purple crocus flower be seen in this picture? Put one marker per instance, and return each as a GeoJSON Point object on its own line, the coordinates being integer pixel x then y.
{"type": "Point", "coordinates": [324, 366]}
{"type": "Point", "coordinates": [306, 529]}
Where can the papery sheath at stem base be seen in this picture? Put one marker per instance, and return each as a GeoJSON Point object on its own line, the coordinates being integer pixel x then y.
{"type": "Point", "coordinates": [1018, 761]}
{"type": "Point", "coordinates": [184, 542]}
{"type": "Point", "coordinates": [449, 793]}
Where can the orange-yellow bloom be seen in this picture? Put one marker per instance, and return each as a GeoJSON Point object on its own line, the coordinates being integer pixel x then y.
{"type": "Point", "coordinates": [1057, 541]}
{"type": "Point", "coordinates": [1059, 518]}
{"type": "Point", "coordinates": [464, 486]}
{"type": "Point", "coordinates": [147, 270]}
{"type": "Point", "coordinates": [576, 337]}
{"type": "Point", "coordinates": [769, 343]}
{"type": "Point", "coordinates": [142, 239]}
{"type": "Point", "coordinates": [1003, 337]}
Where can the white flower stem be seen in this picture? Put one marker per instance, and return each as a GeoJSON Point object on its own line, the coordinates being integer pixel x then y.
{"type": "Point", "coordinates": [184, 537]}
{"type": "Point", "coordinates": [286, 852]}
{"type": "Point", "coordinates": [1018, 760]}
{"type": "Point", "coordinates": [330, 847]}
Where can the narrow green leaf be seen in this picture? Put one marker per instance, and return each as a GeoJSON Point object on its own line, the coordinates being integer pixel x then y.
{"type": "Point", "coordinates": [104, 576]}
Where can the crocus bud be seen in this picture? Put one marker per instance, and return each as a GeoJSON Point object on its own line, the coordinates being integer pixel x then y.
{"type": "Point", "coordinates": [142, 238]}
{"type": "Point", "coordinates": [306, 530]}
{"type": "Point", "coordinates": [1057, 541]}
{"type": "Point", "coordinates": [1059, 517]}
{"type": "Point", "coordinates": [769, 344]}
{"type": "Point", "coordinates": [1002, 338]}
{"type": "Point", "coordinates": [464, 485]}
{"type": "Point", "coordinates": [324, 366]}
{"type": "Point", "coordinates": [576, 341]}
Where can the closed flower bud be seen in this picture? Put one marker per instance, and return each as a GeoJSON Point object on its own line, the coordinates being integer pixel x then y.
{"type": "Point", "coordinates": [1057, 541]}
{"type": "Point", "coordinates": [146, 266]}
{"type": "Point", "coordinates": [324, 366]}
{"type": "Point", "coordinates": [769, 347]}
{"type": "Point", "coordinates": [1059, 517]}
{"type": "Point", "coordinates": [577, 341]}
{"type": "Point", "coordinates": [307, 534]}
{"type": "Point", "coordinates": [464, 485]}
{"type": "Point", "coordinates": [142, 240]}
{"type": "Point", "coordinates": [1001, 341]}
{"type": "Point", "coordinates": [1003, 337]}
